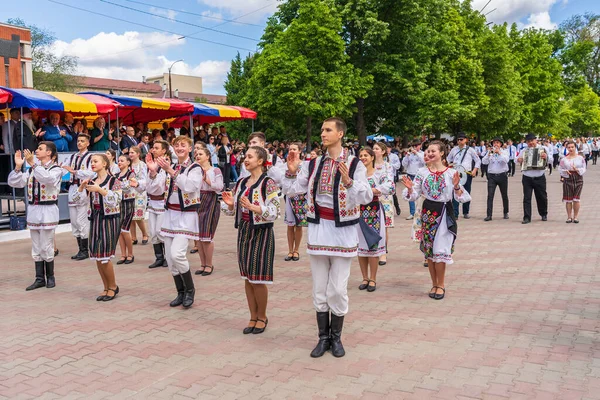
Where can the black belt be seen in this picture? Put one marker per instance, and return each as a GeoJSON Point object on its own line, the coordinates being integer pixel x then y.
{"type": "Point", "coordinates": [499, 173]}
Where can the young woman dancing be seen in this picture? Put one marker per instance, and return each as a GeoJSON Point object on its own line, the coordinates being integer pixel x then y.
{"type": "Point", "coordinates": [128, 184]}
{"type": "Point", "coordinates": [295, 214]}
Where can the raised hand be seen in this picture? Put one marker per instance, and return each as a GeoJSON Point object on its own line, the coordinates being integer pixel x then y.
{"type": "Point", "coordinates": [83, 185]}
{"type": "Point", "coordinates": [19, 160]}
{"type": "Point", "coordinates": [344, 172]}
{"type": "Point", "coordinates": [406, 181]}
{"type": "Point", "coordinates": [39, 133]}
{"type": "Point", "coordinates": [166, 165]}
{"type": "Point", "coordinates": [456, 179]}
{"type": "Point", "coordinates": [227, 198]}
{"type": "Point", "coordinates": [247, 204]}
{"type": "Point", "coordinates": [68, 168]}
{"type": "Point", "coordinates": [151, 164]}
{"type": "Point", "coordinates": [293, 162]}
{"type": "Point", "coordinates": [133, 182]}
{"type": "Point", "coordinates": [29, 157]}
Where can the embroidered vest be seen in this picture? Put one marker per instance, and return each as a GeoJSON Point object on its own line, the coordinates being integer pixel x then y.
{"type": "Point", "coordinates": [108, 211]}
{"type": "Point", "coordinates": [259, 196]}
{"type": "Point", "coordinates": [186, 200]}
{"type": "Point", "coordinates": [79, 163]}
{"type": "Point", "coordinates": [344, 214]}
{"type": "Point", "coordinates": [129, 193]}
{"type": "Point", "coordinates": [39, 193]}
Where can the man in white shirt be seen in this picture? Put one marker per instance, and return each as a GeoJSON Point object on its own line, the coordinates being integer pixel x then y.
{"type": "Point", "coordinates": [497, 162]}
{"type": "Point", "coordinates": [482, 152]}
{"type": "Point", "coordinates": [467, 157]}
{"type": "Point", "coordinates": [512, 156]}
{"type": "Point", "coordinates": [414, 160]}
{"type": "Point", "coordinates": [534, 181]}
{"type": "Point", "coordinates": [394, 161]}
{"type": "Point", "coordinates": [555, 152]}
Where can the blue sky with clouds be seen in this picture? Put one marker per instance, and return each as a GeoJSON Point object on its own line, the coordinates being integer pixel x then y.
{"type": "Point", "coordinates": [143, 37]}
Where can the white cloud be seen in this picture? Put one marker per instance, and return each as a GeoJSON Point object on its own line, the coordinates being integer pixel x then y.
{"type": "Point", "coordinates": [131, 55]}
{"type": "Point", "coordinates": [211, 16]}
{"type": "Point", "coordinates": [234, 8]}
{"type": "Point", "coordinates": [540, 20]}
{"type": "Point", "coordinates": [170, 14]}
{"type": "Point", "coordinates": [519, 11]}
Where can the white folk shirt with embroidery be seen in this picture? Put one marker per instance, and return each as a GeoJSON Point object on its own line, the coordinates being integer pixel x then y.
{"type": "Point", "coordinates": [497, 163]}
{"type": "Point", "coordinates": [447, 194]}
{"type": "Point", "coordinates": [567, 164]}
{"type": "Point", "coordinates": [413, 162]}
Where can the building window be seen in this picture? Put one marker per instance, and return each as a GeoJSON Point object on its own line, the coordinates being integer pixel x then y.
{"type": "Point", "coordinates": [6, 74]}
{"type": "Point", "coordinates": [22, 49]}
{"type": "Point", "coordinates": [157, 82]}
{"type": "Point", "coordinates": [23, 74]}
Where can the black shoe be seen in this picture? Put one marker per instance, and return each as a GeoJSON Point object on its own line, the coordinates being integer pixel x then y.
{"type": "Point", "coordinates": [382, 262]}
{"type": "Point", "coordinates": [190, 290]}
{"type": "Point", "coordinates": [144, 241]}
{"type": "Point", "coordinates": [372, 288]}
{"type": "Point", "coordinates": [109, 298]}
{"type": "Point", "coordinates": [257, 331]}
{"type": "Point", "coordinates": [506, 216]}
{"type": "Point", "coordinates": [363, 286]}
{"type": "Point", "coordinates": [79, 247]}
{"type": "Point", "coordinates": [83, 250]}
{"type": "Point", "coordinates": [180, 291]}
{"type": "Point", "coordinates": [545, 218]}
{"type": "Point", "coordinates": [205, 273]}
{"type": "Point", "coordinates": [432, 294]}
{"type": "Point", "coordinates": [159, 255]}
{"type": "Point", "coordinates": [289, 257]}
{"type": "Point", "coordinates": [40, 280]}
{"type": "Point", "coordinates": [134, 242]}
{"type": "Point", "coordinates": [56, 252]}
{"type": "Point", "coordinates": [337, 323]}
{"type": "Point", "coordinates": [122, 261]}
{"type": "Point", "coordinates": [247, 330]}
{"type": "Point", "coordinates": [466, 216]}
{"type": "Point", "coordinates": [487, 219]}
{"type": "Point", "coordinates": [324, 339]}
{"type": "Point", "coordinates": [50, 282]}
{"type": "Point", "coordinates": [200, 271]}
{"type": "Point", "coordinates": [101, 297]}
{"type": "Point", "coordinates": [296, 258]}
{"type": "Point", "coordinates": [440, 296]}
{"type": "Point", "coordinates": [193, 251]}
{"type": "Point", "coordinates": [128, 261]}
{"type": "Point", "coordinates": [525, 221]}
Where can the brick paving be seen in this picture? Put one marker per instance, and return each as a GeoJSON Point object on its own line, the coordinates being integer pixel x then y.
{"type": "Point", "coordinates": [520, 321]}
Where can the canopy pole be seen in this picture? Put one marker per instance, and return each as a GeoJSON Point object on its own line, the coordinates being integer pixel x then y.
{"type": "Point", "coordinates": [26, 205]}
{"type": "Point", "coordinates": [118, 133]}
{"type": "Point", "coordinates": [12, 166]}
{"type": "Point", "coordinates": [192, 128]}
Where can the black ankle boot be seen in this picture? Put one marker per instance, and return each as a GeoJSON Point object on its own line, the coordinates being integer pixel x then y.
{"type": "Point", "coordinates": [324, 340]}
{"type": "Point", "coordinates": [40, 280]}
{"type": "Point", "coordinates": [78, 247]}
{"type": "Point", "coordinates": [337, 323]}
{"type": "Point", "coordinates": [83, 250]}
{"type": "Point", "coordinates": [165, 264]}
{"type": "Point", "coordinates": [180, 291]}
{"type": "Point", "coordinates": [158, 253]}
{"type": "Point", "coordinates": [50, 282]}
{"type": "Point", "coordinates": [190, 290]}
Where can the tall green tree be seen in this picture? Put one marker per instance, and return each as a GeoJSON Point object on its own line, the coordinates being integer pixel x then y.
{"type": "Point", "coordinates": [50, 72]}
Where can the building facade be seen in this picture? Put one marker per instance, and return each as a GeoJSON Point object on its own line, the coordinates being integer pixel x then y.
{"type": "Point", "coordinates": [16, 70]}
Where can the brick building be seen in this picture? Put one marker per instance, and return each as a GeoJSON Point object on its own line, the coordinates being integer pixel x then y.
{"type": "Point", "coordinates": [15, 57]}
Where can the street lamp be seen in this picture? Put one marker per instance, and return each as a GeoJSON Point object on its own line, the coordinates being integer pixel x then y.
{"type": "Point", "coordinates": [170, 89]}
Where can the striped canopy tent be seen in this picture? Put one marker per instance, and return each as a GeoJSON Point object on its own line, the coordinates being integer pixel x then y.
{"type": "Point", "coordinates": [59, 102]}
{"type": "Point", "coordinates": [143, 109]}
{"type": "Point", "coordinates": [211, 113]}
{"type": "Point", "coordinates": [5, 96]}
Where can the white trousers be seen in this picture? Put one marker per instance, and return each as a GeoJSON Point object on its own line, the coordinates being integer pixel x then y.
{"type": "Point", "coordinates": [330, 283]}
{"type": "Point", "coordinates": [42, 244]}
{"type": "Point", "coordinates": [176, 254]}
{"type": "Point", "coordinates": [80, 224]}
{"type": "Point", "coordinates": [154, 224]}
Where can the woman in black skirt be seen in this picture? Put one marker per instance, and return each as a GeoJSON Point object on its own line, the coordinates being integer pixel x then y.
{"type": "Point", "coordinates": [256, 241]}
{"type": "Point", "coordinates": [128, 184]}
{"type": "Point", "coordinates": [105, 222]}
{"type": "Point", "coordinates": [571, 168]}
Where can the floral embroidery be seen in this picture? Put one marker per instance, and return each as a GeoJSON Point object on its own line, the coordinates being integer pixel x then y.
{"type": "Point", "coordinates": [434, 184]}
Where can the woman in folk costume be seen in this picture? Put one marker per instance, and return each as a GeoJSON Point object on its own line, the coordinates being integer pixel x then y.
{"type": "Point", "coordinates": [572, 167]}
{"type": "Point", "coordinates": [295, 214]}
{"type": "Point", "coordinates": [439, 184]}
{"type": "Point", "coordinates": [157, 196]}
{"type": "Point", "coordinates": [180, 222]}
{"type": "Point", "coordinates": [209, 210]}
{"type": "Point", "coordinates": [255, 205]}
{"type": "Point", "coordinates": [113, 168]}
{"type": "Point", "coordinates": [387, 201]}
{"type": "Point", "coordinates": [128, 187]}
{"type": "Point", "coordinates": [141, 199]}
{"type": "Point", "coordinates": [43, 186]}
{"type": "Point", "coordinates": [372, 232]}
{"type": "Point", "coordinates": [104, 194]}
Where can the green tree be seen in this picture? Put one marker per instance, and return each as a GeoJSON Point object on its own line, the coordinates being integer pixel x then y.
{"type": "Point", "coordinates": [50, 72]}
{"type": "Point", "coordinates": [585, 112]}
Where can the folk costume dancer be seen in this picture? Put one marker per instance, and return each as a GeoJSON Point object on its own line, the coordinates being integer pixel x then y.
{"type": "Point", "coordinates": [387, 201]}
{"type": "Point", "coordinates": [157, 196]}
{"type": "Point", "coordinates": [209, 210]}
{"type": "Point", "coordinates": [439, 184]}
{"type": "Point", "coordinates": [141, 198]}
{"type": "Point", "coordinates": [295, 215]}
{"type": "Point", "coordinates": [255, 204]}
{"type": "Point", "coordinates": [128, 188]}
{"type": "Point", "coordinates": [80, 170]}
{"type": "Point", "coordinates": [43, 186]}
{"type": "Point", "coordinates": [372, 232]}
{"type": "Point", "coordinates": [534, 181]}
{"type": "Point", "coordinates": [394, 161]}
{"type": "Point", "coordinates": [571, 168]}
{"type": "Point", "coordinates": [412, 162]}
{"type": "Point", "coordinates": [180, 222]}
{"type": "Point", "coordinates": [113, 168]}
{"type": "Point", "coordinates": [468, 158]}
{"type": "Point", "coordinates": [497, 161]}
{"type": "Point", "coordinates": [104, 194]}
{"type": "Point", "coordinates": [335, 185]}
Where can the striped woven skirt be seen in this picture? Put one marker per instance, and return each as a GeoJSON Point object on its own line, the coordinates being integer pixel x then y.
{"type": "Point", "coordinates": [572, 187]}
{"type": "Point", "coordinates": [208, 215]}
{"type": "Point", "coordinates": [256, 250]}
{"type": "Point", "coordinates": [104, 236]}
{"type": "Point", "coordinates": [127, 210]}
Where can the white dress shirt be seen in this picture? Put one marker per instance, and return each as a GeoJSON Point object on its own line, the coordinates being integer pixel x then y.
{"type": "Point", "coordinates": [533, 173]}
{"type": "Point", "coordinates": [512, 152]}
{"type": "Point", "coordinates": [497, 163]}
{"type": "Point", "coordinates": [413, 162]}
{"type": "Point", "coordinates": [456, 157]}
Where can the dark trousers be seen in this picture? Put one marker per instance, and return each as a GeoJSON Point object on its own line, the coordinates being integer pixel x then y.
{"type": "Point", "coordinates": [538, 186]}
{"type": "Point", "coordinates": [500, 180]}
{"type": "Point", "coordinates": [594, 156]}
{"type": "Point", "coordinates": [484, 168]}
{"type": "Point", "coordinates": [556, 160]}
{"type": "Point", "coordinates": [466, 206]}
{"type": "Point", "coordinates": [511, 167]}
{"type": "Point", "coordinates": [226, 172]}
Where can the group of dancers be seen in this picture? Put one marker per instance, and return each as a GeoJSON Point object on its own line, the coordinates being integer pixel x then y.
{"type": "Point", "coordinates": [344, 201]}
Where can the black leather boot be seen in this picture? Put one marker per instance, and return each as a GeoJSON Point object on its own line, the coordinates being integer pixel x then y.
{"type": "Point", "coordinates": [165, 264]}
{"type": "Point", "coordinates": [158, 253]}
{"type": "Point", "coordinates": [324, 340]}
{"type": "Point", "coordinates": [83, 250]}
{"type": "Point", "coordinates": [78, 247]}
{"type": "Point", "coordinates": [190, 290]}
{"type": "Point", "coordinates": [337, 323]}
{"type": "Point", "coordinates": [40, 279]}
{"type": "Point", "coordinates": [50, 282]}
{"type": "Point", "coordinates": [180, 291]}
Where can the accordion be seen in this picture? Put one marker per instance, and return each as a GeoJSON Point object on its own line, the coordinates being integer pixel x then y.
{"type": "Point", "coordinates": [532, 159]}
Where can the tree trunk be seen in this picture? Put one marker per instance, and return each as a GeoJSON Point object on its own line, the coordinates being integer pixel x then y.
{"type": "Point", "coordinates": [308, 134]}
{"type": "Point", "coordinates": [361, 129]}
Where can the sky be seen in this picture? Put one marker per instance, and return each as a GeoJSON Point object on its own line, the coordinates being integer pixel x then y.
{"type": "Point", "coordinates": [135, 38]}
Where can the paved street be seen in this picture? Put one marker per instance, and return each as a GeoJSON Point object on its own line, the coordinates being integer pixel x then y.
{"type": "Point", "coordinates": [520, 320]}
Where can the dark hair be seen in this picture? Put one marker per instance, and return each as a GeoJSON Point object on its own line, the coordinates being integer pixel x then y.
{"type": "Point", "coordinates": [568, 142]}
{"type": "Point", "coordinates": [125, 157]}
{"type": "Point", "coordinates": [104, 158]}
{"type": "Point", "coordinates": [259, 135]}
{"type": "Point", "coordinates": [317, 151]}
{"type": "Point", "coordinates": [340, 125]}
{"type": "Point", "coordinates": [370, 152]}
{"type": "Point", "coordinates": [261, 153]}
{"type": "Point", "coordinates": [297, 144]}
{"type": "Point", "coordinates": [84, 135]}
{"type": "Point", "coordinates": [112, 153]}
{"type": "Point", "coordinates": [441, 147]}
{"type": "Point", "coordinates": [383, 148]}
{"type": "Point", "coordinates": [50, 146]}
